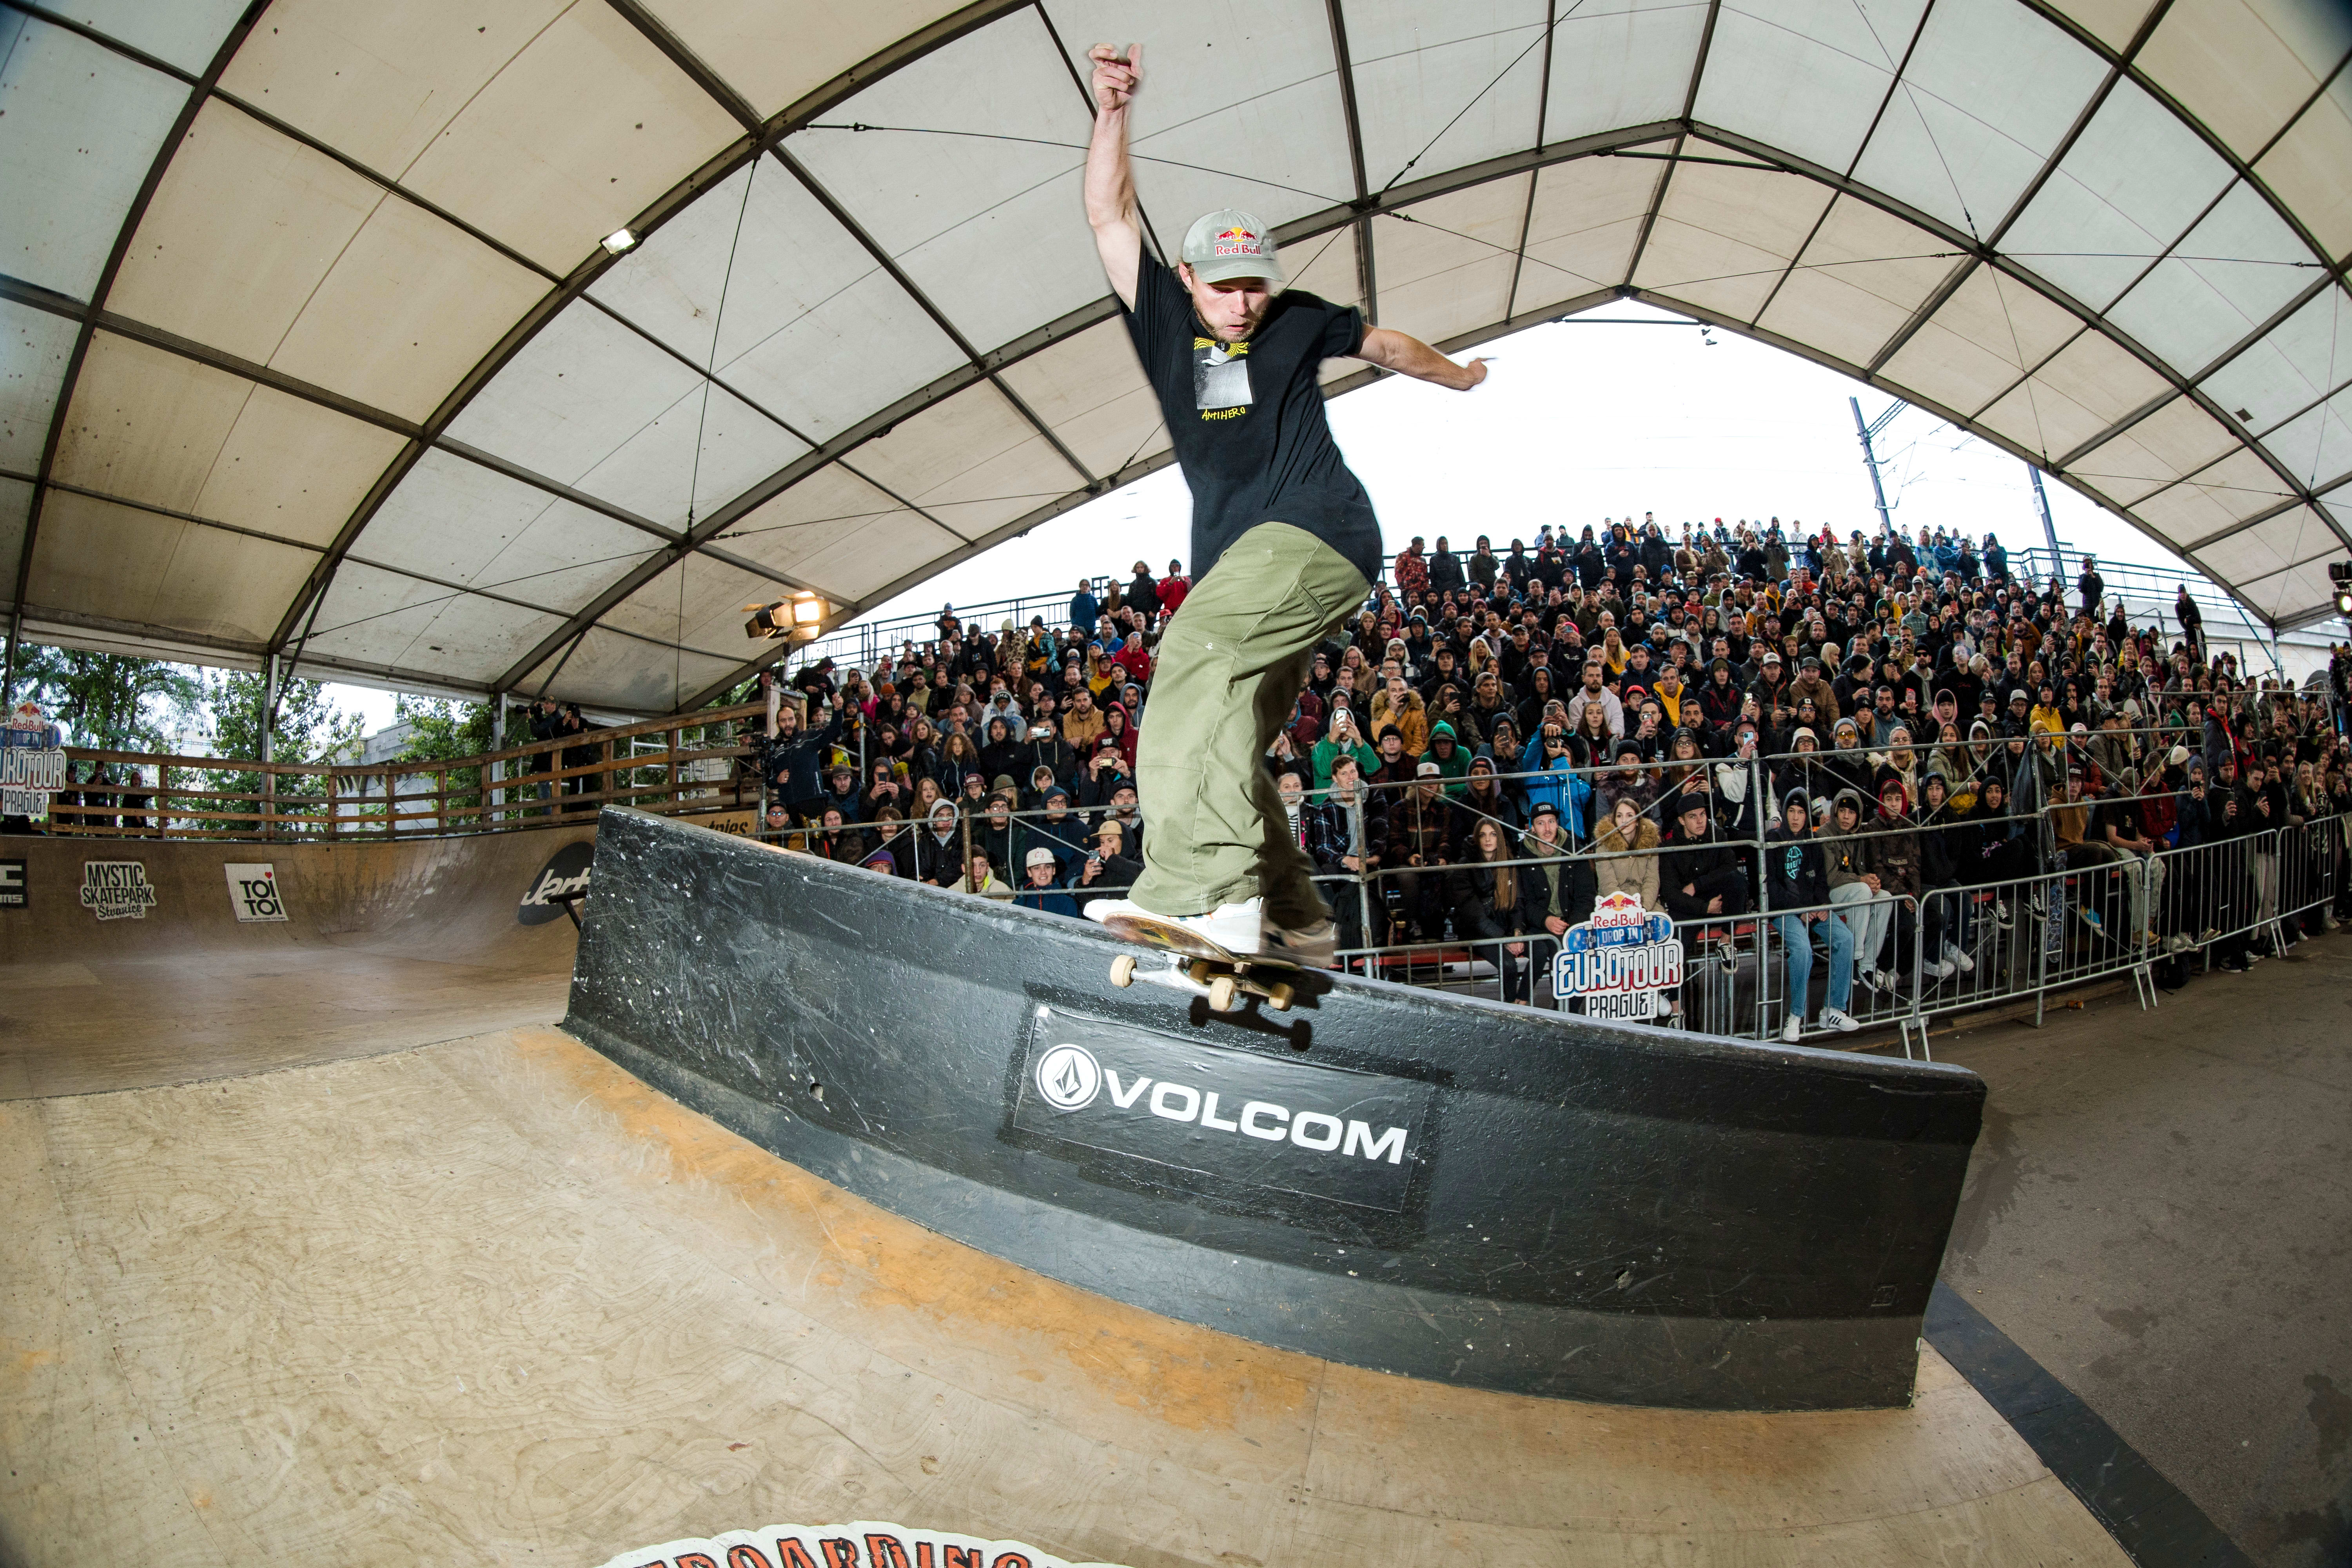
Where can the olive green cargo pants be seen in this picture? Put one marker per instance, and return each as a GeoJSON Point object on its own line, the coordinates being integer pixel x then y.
{"type": "Point", "coordinates": [1231, 664]}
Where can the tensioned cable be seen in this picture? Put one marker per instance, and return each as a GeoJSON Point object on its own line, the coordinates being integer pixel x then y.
{"type": "Point", "coordinates": [1410, 218]}
{"type": "Point", "coordinates": [481, 588]}
{"type": "Point", "coordinates": [1541, 38]}
{"type": "Point", "coordinates": [694, 477]}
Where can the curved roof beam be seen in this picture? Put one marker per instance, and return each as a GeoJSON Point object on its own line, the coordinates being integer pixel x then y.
{"type": "Point", "coordinates": [915, 46]}
{"type": "Point", "coordinates": [131, 219]}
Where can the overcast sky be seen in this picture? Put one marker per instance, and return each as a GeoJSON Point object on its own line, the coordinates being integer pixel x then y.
{"type": "Point", "coordinates": [1576, 423]}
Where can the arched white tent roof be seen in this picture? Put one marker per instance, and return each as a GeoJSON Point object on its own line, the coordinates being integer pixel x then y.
{"type": "Point", "coordinates": [312, 344]}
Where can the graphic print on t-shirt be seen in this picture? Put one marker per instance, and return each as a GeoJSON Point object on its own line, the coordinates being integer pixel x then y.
{"type": "Point", "coordinates": [1220, 382]}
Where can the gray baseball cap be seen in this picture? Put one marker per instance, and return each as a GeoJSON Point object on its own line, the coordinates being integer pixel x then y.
{"type": "Point", "coordinates": [1229, 243]}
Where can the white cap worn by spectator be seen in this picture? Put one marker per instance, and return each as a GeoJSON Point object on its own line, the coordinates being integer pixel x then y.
{"type": "Point", "coordinates": [1039, 857]}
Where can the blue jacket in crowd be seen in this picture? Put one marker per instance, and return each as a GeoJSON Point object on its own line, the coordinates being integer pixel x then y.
{"type": "Point", "coordinates": [1559, 785]}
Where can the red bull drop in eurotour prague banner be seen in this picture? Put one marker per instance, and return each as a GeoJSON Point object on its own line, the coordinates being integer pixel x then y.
{"type": "Point", "coordinates": [1618, 960]}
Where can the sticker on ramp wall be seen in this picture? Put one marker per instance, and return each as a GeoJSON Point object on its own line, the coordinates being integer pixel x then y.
{"type": "Point", "coordinates": [116, 889]}
{"type": "Point", "coordinates": [253, 893]}
{"type": "Point", "coordinates": [861, 1545]}
{"type": "Point", "coordinates": [12, 884]}
{"type": "Point", "coordinates": [563, 877]}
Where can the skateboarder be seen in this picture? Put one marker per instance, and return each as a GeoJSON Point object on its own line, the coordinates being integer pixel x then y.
{"type": "Point", "coordinates": [1284, 545]}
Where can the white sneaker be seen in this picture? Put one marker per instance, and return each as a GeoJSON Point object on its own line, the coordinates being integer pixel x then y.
{"type": "Point", "coordinates": [1236, 928]}
{"type": "Point", "coordinates": [1958, 960]}
{"type": "Point", "coordinates": [1794, 1029]}
{"type": "Point", "coordinates": [1941, 968]}
{"type": "Point", "coordinates": [1835, 1018]}
{"type": "Point", "coordinates": [1315, 946]}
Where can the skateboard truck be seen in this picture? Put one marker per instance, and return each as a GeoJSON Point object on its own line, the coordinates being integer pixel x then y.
{"type": "Point", "coordinates": [1198, 965]}
{"type": "Point", "coordinates": [1224, 982]}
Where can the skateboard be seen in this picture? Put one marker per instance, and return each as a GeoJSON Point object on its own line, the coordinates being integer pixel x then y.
{"type": "Point", "coordinates": [1199, 965]}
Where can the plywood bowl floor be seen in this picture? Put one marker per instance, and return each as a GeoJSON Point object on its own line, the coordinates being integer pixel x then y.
{"type": "Point", "coordinates": [494, 1300]}
{"type": "Point", "coordinates": [314, 1253]}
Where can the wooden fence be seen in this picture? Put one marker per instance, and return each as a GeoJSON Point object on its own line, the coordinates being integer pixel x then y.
{"type": "Point", "coordinates": [664, 765]}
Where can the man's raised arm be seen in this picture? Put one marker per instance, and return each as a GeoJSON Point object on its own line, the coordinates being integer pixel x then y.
{"type": "Point", "coordinates": [1410, 356]}
{"type": "Point", "coordinates": [1110, 180]}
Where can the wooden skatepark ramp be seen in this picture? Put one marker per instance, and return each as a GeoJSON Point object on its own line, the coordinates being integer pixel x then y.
{"type": "Point", "coordinates": [493, 1300]}
{"type": "Point", "coordinates": [383, 946]}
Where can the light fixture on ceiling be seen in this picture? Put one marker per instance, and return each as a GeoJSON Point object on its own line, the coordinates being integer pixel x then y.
{"type": "Point", "coordinates": [619, 240]}
{"type": "Point", "coordinates": [2340, 576]}
{"type": "Point", "coordinates": [800, 617]}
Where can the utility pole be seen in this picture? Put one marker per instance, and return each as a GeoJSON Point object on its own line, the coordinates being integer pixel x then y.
{"type": "Point", "coordinates": [1870, 458]}
{"type": "Point", "coordinates": [269, 747]}
{"type": "Point", "coordinates": [2049, 528]}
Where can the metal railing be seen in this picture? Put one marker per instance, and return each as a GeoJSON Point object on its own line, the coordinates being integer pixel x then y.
{"type": "Point", "coordinates": [661, 766]}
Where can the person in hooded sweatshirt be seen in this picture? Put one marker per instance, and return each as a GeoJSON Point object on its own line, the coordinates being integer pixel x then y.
{"type": "Point", "coordinates": [1561, 887]}
{"type": "Point", "coordinates": [939, 848]}
{"type": "Point", "coordinates": [1703, 875]}
{"type": "Point", "coordinates": [1807, 768]}
{"type": "Point", "coordinates": [1482, 796]}
{"type": "Point", "coordinates": [1452, 762]}
{"type": "Point", "coordinates": [1795, 878]}
{"type": "Point", "coordinates": [2198, 892]}
{"type": "Point", "coordinates": [1855, 885]}
{"type": "Point", "coordinates": [1559, 785]}
{"type": "Point", "coordinates": [1742, 785]}
{"type": "Point", "coordinates": [1944, 838]}
{"type": "Point", "coordinates": [1894, 853]}
{"type": "Point", "coordinates": [1849, 760]}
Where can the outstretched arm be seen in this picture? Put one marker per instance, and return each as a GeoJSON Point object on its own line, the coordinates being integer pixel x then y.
{"type": "Point", "coordinates": [1110, 179]}
{"type": "Point", "coordinates": [1410, 356]}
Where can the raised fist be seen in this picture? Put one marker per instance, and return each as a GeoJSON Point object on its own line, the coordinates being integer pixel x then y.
{"type": "Point", "coordinates": [1116, 78]}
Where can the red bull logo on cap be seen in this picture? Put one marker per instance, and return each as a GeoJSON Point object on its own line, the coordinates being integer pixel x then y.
{"type": "Point", "coordinates": [1237, 242]}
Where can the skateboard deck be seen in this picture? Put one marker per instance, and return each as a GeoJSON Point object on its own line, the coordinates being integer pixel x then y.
{"type": "Point", "coordinates": [1200, 965]}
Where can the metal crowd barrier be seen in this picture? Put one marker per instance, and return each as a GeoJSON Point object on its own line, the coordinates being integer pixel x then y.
{"type": "Point", "coordinates": [2029, 937]}
{"type": "Point", "coordinates": [1967, 946]}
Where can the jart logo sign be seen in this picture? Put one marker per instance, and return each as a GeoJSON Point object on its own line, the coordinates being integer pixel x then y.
{"type": "Point", "coordinates": [565, 876]}
{"type": "Point", "coordinates": [1330, 1133]}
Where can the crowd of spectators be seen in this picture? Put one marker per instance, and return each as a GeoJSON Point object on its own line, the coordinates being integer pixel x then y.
{"type": "Point", "coordinates": [1730, 721]}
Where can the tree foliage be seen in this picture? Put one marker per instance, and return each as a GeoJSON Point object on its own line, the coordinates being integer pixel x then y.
{"type": "Point", "coordinates": [309, 729]}
{"type": "Point", "coordinates": [442, 729]}
{"type": "Point", "coordinates": [109, 702]}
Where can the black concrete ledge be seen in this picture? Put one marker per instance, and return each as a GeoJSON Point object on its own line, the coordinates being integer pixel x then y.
{"type": "Point", "coordinates": [1422, 1184]}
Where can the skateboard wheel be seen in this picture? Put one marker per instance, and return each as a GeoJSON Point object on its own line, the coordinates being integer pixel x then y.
{"type": "Point", "coordinates": [1221, 993]}
{"type": "Point", "coordinates": [1279, 994]}
{"type": "Point", "coordinates": [1122, 971]}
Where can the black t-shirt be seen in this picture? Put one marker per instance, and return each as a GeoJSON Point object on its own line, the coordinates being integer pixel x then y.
{"type": "Point", "coordinates": [1247, 420]}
